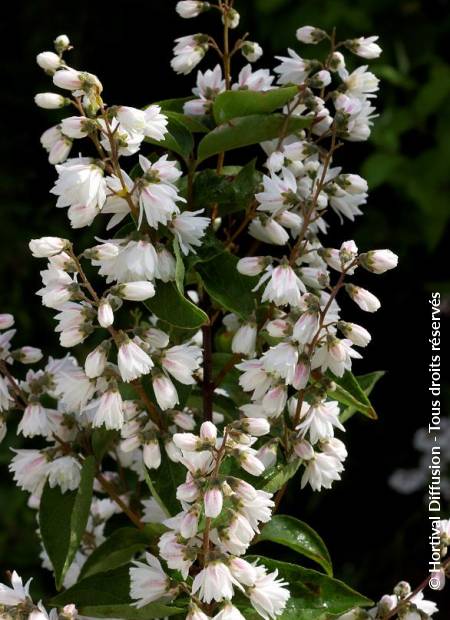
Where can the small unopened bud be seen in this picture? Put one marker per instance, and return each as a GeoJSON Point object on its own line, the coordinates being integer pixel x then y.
{"type": "Point", "coordinates": [95, 362]}
{"type": "Point", "coordinates": [6, 321]}
{"type": "Point", "coordinates": [208, 432]}
{"type": "Point", "coordinates": [213, 500]}
{"type": "Point", "coordinates": [251, 51]}
{"type": "Point", "coordinates": [190, 8]}
{"type": "Point", "coordinates": [68, 79]}
{"type": "Point", "coordinates": [27, 355]}
{"type": "Point", "coordinates": [152, 454]}
{"type": "Point", "coordinates": [62, 43]}
{"type": "Point", "coordinates": [136, 291]}
{"type": "Point", "coordinates": [402, 589]}
{"type": "Point", "coordinates": [252, 265]}
{"type": "Point", "coordinates": [310, 35]}
{"type": "Point", "coordinates": [337, 61]}
{"type": "Point", "coordinates": [50, 101]}
{"type": "Point", "coordinates": [47, 246]}
{"type": "Point", "coordinates": [49, 61]}
{"type": "Point", "coordinates": [363, 298]}
{"type": "Point", "coordinates": [379, 261]}
{"type": "Point", "coordinates": [105, 314]}
{"type": "Point", "coordinates": [231, 18]}
{"type": "Point", "coordinates": [255, 426]}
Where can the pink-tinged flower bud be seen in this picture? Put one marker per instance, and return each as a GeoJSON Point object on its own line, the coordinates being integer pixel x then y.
{"type": "Point", "coordinates": [188, 492]}
{"type": "Point", "coordinates": [243, 571]}
{"type": "Point", "coordinates": [251, 464]}
{"type": "Point", "coordinates": [62, 43]}
{"type": "Point", "coordinates": [438, 577]}
{"type": "Point", "coordinates": [105, 314]}
{"type": "Point", "coordinates": [208, 432]}
{"type": "Point", "coordinates": [104, 251]}
{"type": "Point", "coordinates": [47, 246]}
{"type": "Point", "coordinates": [28, 355]}
{"type": "Point", "coordinates": [244, 340]}
{"type": "Point", "coordinates": [252, 265]}
{"type": "Point", "coordinates": [213, 500]}
{"type": "Point", "coordinates": [357, 334]}
{"type": "Point", "coordinates": [50, 101]}
{"type": "Point", "coordinates": [187, 442]}
{"type": "Point", "coordinates": [165, 392]}
{"type": "Point", "coordinates": [267, 454]}
{"type": "Point", "coordinates": [75, 126]}
{"type": "Point", "coordinates": [301, 375]}
{"type": "Point", "coordinates": [152, 454]}
{"type": "Point", "coordinates": [172, 451]}
{"type": "Point", "coordinates": [136, 291]}
{"type": "Point", "coordinates": [6, 321]}
{"type": "Point", "coordinates": [304, 450]}
{"type": "Point", "coordinates": [190, 8]}
{"type": "Point", "coordinates": [306, 327]}
{"type": "Point", "coordinates": [363, 298]}
{"type": "Point", "coordinates": [95, 363]}
{"type": "Point", "coordinates": [189, 523]}
{"type": "Point", "coordinates": [255, 426]}
{"type": "Point", "coordinates": [72, 337]}
{"type": "Point", "coordinates": [278, 328]}
{"type": "Point", "coordinates": [379, 261]}
{"type": "Point", "coordinates": [184, 420]}
{"type": "Point", "coordinates": [49, 61]}
{"type": "Point", "coordinates": [310, 35]}
{"type": "Point", "coordinates": [68, 79]}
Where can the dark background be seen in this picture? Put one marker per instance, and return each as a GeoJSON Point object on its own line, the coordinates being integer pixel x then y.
{"type": "Point", "coordinates": [376, 537]}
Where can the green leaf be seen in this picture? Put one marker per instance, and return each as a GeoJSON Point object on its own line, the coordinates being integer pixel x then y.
{"type": "Point", "coordinates": [314, 596]}
{"type": "Point", "coordinates": [229, 288]}
{"type": "Point", "coordinates": [120, 548]}
{"type": "Point", "coordinates": [63, 518]}
{"type": "Point", "coordinates": [171, 306]}
{"type": "Point", "coordinates": [164, 482]}
{"type": "Point", "coordinates": [173, 105]}
{"type": "Point", "coordinates": [234, 103]}
{"type": "Point", "coordinates": [179, 266]}
{"type": "Point", "coordinates": [178, 139]}
{"type": "Point", "coordinates": [349, 392]}
{"type": "Point", "coordinates": [231, 192]}
{"type": "Point", "coordinates": [276, 478]}
{"type": "Point", "coordinates": [247, 130]}
{"type": "Point", "coordinates": [230, 382]}
{"type": "Point", "coordinates": [126, 612]}
{"type": "Point", "coordinates": [190, 122]}
{"type": "Point", "coordinates": [367, 383]}
{"type": "Point", "coordinates": [299, 536]}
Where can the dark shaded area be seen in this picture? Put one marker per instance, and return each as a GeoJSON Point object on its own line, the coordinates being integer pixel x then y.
{"type": "Point", "coordinates": [376, 536]}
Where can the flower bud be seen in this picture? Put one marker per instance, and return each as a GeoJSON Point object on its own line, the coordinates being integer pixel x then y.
{"type": "Point", "coordinates": [95, 362]}
{"type": "Point", "coordinates": [320, 79]}
{"type": "Point", "coordinates": [6, 321]}
{"type": "Point", "coordinates": [310, 35]}
{"type": "Point", "coordinates": [243, 571]}
{"type": "Point", "coordinates": [103, 251]}
{"type": "Point", "coordinates": [267, 454]}
{"type": "Point", "coordinates": [357, 334]}
{"type": "Point", "coordinates": [251, 51]}
{"type": "Point", "coordinates": [28, 355]}
{"type": "Point", "coordinates": [189, 523]}
{"type": "Point", "coordinates": [68, 79]}
{"type": "Point", "coordinates": [337, 61]}
{"type": "Point", "coordinates": [244, 340]}
{"type": "Point", "coordinates": [165, 392]}
{"type": "Point", "coordinates": [49, 61]}
{"type": "Point", "coordinates": [306, 327]}
{"type": "Point", "coordinates": [62, 43]}
{"type": "Point", "coordinates": [251, 464]}
{"type": "Point", "coordinates": [363, 298]}
{"type": "Point", "coordinates": [187, 442]}
{"type": "Point", "coordinates": [402, 589]}
{"type": "Point", "coordinates": [189, 8]}
{"type": "Point", "coordinates": [152, 454]}
{"type": "Point", "coordinates": [304, 450]}
{"type": "Point", "coordinates": [379, 261]}
{"type": "Point", "coordinates": [364, 47]}
{"type": "Point", "coordinates": [105, 314]}
{"type": "Point", "coordinates": [208, 432]}
{"type": "Point", "coordinates": [252, 265]}
{"type": "Point", "coordinates": [136, 291]}
{"type": "Point", "coordinates": [75, 126]}
{"type": "Point", "coordinates": [301, 375]}
{"type": "Point", "coordinates": [213, 500]}
{"type": "Point", "coordinates": [255, 426]}
{"type": "Point", "coordinates": [231, 18]}
{"type": "Point", "coordinates": [47, 246]}
{"type": "Point", "coordinates": [50, 101]}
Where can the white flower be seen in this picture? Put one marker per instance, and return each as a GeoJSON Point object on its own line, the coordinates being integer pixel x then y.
{"type": "Point", "coordinates": [127, 142]}
{"type": "Point", "coordinates": [153, 513]}
{"type": "Point", "coordinates": [56, 144]}
{"type": "Point", "coordinates": [293, 69]}
{"type": "Point", "coordinates": [213, 500]}
{"type": "Point", "coordinates": [279, 192]}
{"type": "Point", "coordinates": [229, 612]}
{"type": "Point", "coordinates": [136, 291]}
{"type": "Point", "coordinates": [259, 80]}
{"type": "Point", "coordinates": [57, 289]}
{"type": "Point", "coordinates": [5, 399]}
{"type": "Point", "coordinates": [379, 261]}
{"type": "Point", "coordinates": [148, 581]}
{"type": "Point", "coordinates": [188, 52]}
{"type": "Point", "coordinates": [189, 228]}
{"type": "Point", "coordinates": [190, 8]}
{"type": "Point", "coordinates": [74, 387]}
{"type": "Point", "coordinates": [249, 461]}
{"type": "Point", "coordinates": [269, 595]}
{"type": "Point", "coordinates": [209, 85]}
{"type": "Point", "coordinates": [320, 420]}
{"type": "Point", "coordinates": [149, 122]}
{"type": "Point", "coordinates": [360, 83]}
{"type": "Point", "coordinates": [108, 410]}
{"type": "Point", "coordinates": [366, 47]}
{"type": "Point", "coordinates": [255, 426]}
{"type": "Point", "coordinates": [81, 182]}
{"type": "Point", "coordinates": [165, 392]}
{"type": "Point", "coordinates": [363, 298]}
{"type": "Point", "coordinates": [336, 355]}
{"type": "Point", "coordinates": [306, 327]}
{"type": "Point", "coordinates": [181, 361]}
{"type": "Point", "coordinates": [133, 361]}
{"type": "Point", "coordinates": [28, 355]}
{"type": "Point", "coordinates": [47, 246]}
{"type": "Point", "coordinates": [268, 231]}
{"type": "Point", "coordinates": [30, 469]}
{"type": "Point", "coordinates": [50, 101]}
{"type": "Point", "coordinates": [254, 378]}
{"type": "Point", "coordinates": [195, 613]}
{"type": "Point", "coordinates": [65, 473]}
{"type": "Point", "coordinates": [18, 594]}
{"type": "Point", "coordinates": [214, 583]}
{"type": "Point", "coordinates": [157, 193]}
{"type": "Point", "coordinates": [427, 607]}
{"type": "Point", "coordinates": [244, 340]}
{"type": "Point", "coordinates": [251, 51]}
{"type": "Point", "coordinates": [310, 34]}
{"type": "Point", "coordinates": [36, 420]}
{"type": "Point", "coordinates": [244, 572]}
{"type": "Point", "coordinates": [356, 333]}
{"type": "Point", "coordinates": [282, 360]}
{"type": "Point", "coordinates": [321, 471]}
{"type": "Point", "coordinates": [284, 286]}
{"type": "Point", "coordinates": [6, 321]}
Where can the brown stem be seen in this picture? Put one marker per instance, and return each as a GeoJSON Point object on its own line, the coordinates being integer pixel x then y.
{"type": "Point", "coordinates": [208, 385]}
{"type": "Point", "coordinates": [113, 495]}
{"type": "Point", "coordinates": [226, 369]}
{"type": "Point", "coordinates": [19, 395]}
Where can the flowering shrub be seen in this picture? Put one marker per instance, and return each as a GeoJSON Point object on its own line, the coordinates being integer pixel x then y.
{"type": "Point", "coordinates": [219, 366]}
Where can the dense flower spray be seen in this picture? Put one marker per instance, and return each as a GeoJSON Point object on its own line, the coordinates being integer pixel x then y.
{"type": "Point", "coordinates": [213, 360]}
